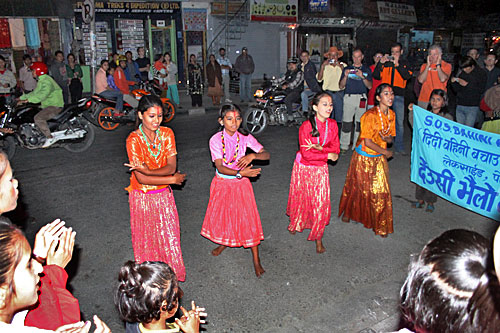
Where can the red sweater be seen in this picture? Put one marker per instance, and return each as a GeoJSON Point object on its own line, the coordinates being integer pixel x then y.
{"type": "Point", "coordinates": [121, 81]}
{"type": "Point", "coordinates": [314, 157]}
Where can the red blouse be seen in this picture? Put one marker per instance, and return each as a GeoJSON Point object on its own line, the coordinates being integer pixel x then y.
{"type": "Point", "coordinates": [314, 157]}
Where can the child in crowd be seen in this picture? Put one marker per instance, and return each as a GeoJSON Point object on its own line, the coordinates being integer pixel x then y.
{"type": "Point", "coordinates": [111, 78]}
{"type": "Point", "coordinates": [232, 218]}
{"type": "Point", "coordinates": [148, 294]}
{"type": "Point", "coordinates": [366, 196]}
{"type": "Point", "coordinates": [309, 197]}
{"type": "Point", "coordinates": [438, 105]}
{"type": "Point", "coordinates": [154, 221]}
{"type": "Point", "coordinates": [160, 71]}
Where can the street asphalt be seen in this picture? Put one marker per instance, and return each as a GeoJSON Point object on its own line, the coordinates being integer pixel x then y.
{"type": "Point", "coordinates": [352, 287]}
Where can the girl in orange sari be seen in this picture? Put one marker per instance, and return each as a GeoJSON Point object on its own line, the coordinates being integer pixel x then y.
{"type": "Point", "coordinates": [366, 197]}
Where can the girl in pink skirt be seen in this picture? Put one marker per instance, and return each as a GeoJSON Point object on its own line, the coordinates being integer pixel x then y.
{"type": "Point", "coordinates": [153, 215]}
{"type": "Point", "coordinates": [232, 218]}
{"type": "Point", "coordinates": [309, 197]}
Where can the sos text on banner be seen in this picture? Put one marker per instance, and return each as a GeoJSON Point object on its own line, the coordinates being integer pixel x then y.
{"type": "Point", "coordinates": [459, 163]}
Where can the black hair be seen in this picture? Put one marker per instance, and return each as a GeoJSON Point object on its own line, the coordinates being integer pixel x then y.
{"type": "Point", "coordinates": [451, 286]}
{"type": "Point", "coordinates": [148, 101]}
{"type": "Point", "coordinates": [222, 49]}
{"type": "Point", "coordinates": [164, 54]}
{"type": "Point", "coordinates": [157, 57]}
{"type": "Point", "coordinates": [2, 58]}
{"type": "Point", "coordinates": [59, 51]}
{"type": "Point", "coordinates": [103, 61]}
{"type": "Point", "coordinates": [379, 90]}
{"type": "Point", "coordinates": [142, 288]}
{"type": "Point", "coordinates": [304, 51]}
{"type": "Point", "coordinates": [228, 107]}
{"type": "Point", "coordinates": [312, 113]}
{"type": "Point", "coordinates": [467, 62]}
{"type": "Point", "coordinates": [140, 47]}
{"type": "Point", "coordinates": [11, 253]}
{"type": "Point", "coordinates": [26, 56]}
{"type": "Point", "coordinates": [444, 95]}
{"type": "Point", "coordinates": [396, 44]}
{"type": "Point", "coordinates": [493, 54]}
{"type": "Point", "coordinates": [70, 54]}
{"type": "Point", "coordinates": [358, 49]}
{"type": "Point", "coordinates": [128, 52]}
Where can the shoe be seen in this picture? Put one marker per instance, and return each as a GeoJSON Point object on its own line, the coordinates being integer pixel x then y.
{"type": "Point", "coordinates": [417, 204]}
{"type": "Point", "coordinates": [430, 208]}
{"type": "Point", "coordinates": [49, 141]}
{"type": "Point", "coordinates": [228, 100]}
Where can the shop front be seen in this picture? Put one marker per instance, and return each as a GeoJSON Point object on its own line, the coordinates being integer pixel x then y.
{"type": "Point", "coordinates": [124, 26]}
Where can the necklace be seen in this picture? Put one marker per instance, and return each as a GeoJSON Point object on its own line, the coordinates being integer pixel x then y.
{"type": "Point", "coordinates": [154, 145]}
{"type": "Point", "coordinates": [384, 131]}
{"type": "Point", "coordinates": [224, 149]}
{"type": "Point", "coordinates": [326, 132]}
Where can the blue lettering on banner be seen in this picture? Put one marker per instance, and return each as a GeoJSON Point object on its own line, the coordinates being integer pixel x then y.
{"type": "Point", "coordinates": [457, 162]}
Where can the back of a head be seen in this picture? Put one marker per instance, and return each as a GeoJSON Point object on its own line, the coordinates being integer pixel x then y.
{"type": "Point", "coordinates": [11, 243]}
{"type": "Point", "coordinates": [142, 288]}
{"type": "Point", "coordinates": [450, 286]}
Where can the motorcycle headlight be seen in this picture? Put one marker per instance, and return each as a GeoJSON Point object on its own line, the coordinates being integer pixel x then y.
{"type": "Point", "coordinates": [259, 93]}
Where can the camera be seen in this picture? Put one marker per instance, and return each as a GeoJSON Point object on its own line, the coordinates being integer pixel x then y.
{"type": "Point", "coordinates": [352, 71]}
{"type": "Point", "coordinates": [390, 58]}
{"type": "Point", "coordinates": [332, 61]}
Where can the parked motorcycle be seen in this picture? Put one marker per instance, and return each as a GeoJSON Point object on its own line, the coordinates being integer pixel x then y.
{"type": "Point", "coordinates": [269, 110]}
{"type": "Point", "coordinates": [108, 118]}
{"type": "Point", "coordinates": [69, 128]}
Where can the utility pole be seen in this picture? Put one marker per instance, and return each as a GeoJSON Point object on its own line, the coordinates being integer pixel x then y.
{"type": "Point", "coordinates": [226, 44]}
{"type": "Point", "coordinates": [88, 17]}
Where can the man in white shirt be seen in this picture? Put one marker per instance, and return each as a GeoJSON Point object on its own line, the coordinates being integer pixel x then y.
{"type": "Point", "coordinates": [225, 65]}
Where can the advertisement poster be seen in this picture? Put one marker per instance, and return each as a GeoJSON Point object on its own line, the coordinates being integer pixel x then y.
{"type": "Point", "coordinates": [274, 10]}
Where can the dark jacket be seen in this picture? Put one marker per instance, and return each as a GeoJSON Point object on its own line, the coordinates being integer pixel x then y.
{"type": "Point", "coordinates": [244, 64]}
{"type": "Point", "coordinates": [310, 77]}
{"type": "Point", "coordinates": [471, 94]}
{"type": "Point", "coordinates": [294, 80]}
{"type": "Point", "coordinates": [395, 76]}
{"type": "Point", "coordinates": [213, 72]}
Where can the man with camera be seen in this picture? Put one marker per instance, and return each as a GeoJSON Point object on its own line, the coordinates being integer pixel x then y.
{"type": "Point", "coordinates": [357, 80]}
{"type": "Point", "coordinates": [329, 73]}
{"type": "Point", "coordinates": [293, 84]}
{"type": "Point", "coordinates": [394, 70]}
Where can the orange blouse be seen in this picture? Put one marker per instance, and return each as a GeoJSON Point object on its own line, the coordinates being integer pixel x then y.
{"type": "Point", "coordinates": [371, 128]}
{"type": "Point", "coordinates": [138, 153]}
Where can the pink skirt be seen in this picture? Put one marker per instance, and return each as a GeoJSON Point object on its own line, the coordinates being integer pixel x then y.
{"type": "Point", "coordinates": [232, 218]}
{"type": "Point", "coordinates": [309, 200]}
{"type": "Point", "coordinates": [155, 229]}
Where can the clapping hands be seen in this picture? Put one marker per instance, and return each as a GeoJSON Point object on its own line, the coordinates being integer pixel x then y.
{"type": "Point", "coordinates": [309, 145]}
{"type": "Point", "coordinates": [190, 320]}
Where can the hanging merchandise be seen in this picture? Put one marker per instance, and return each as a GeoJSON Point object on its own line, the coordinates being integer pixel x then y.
{"type": "Point", "coordinates": [54, 35]}
{"type": "Point", "coordinates": [4, 34]}
{"type": "Point", "coordinates": [32, 35]}
{"type": "Point", "coordinates": [17, 33]}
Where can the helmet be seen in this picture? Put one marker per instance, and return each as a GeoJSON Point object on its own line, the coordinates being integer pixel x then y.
{"type": "Point", "coordinates": [120, 58]}
{"type": "Point", "coordinates": [39, 68]}
{"type": "Point", "coordinates": [292, 60]}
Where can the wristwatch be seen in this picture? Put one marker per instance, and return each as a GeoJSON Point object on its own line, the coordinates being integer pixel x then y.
{"type": "Point", "coordinates": [238, 175]}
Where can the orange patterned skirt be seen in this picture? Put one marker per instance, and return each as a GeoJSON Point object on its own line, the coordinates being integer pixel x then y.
{"type": "Point", "coordinates": [366, 197]}
{"type": "Point", "coordinates": [309, 200]}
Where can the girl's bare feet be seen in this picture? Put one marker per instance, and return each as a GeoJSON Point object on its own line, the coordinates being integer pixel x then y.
{"type": "Point", "coordinates": [319, 247]}
{"type": "Point", "coordinates": [218, 250]}
{"type": "Point", "coordinates": [292, 232]}
{"type": "Point", "coordinates": [256, 261]}
{"type": "Point", "coordinates": [345, 219]}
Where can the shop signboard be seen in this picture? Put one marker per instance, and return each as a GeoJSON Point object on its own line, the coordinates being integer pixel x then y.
{"type": "Point", "coordinates": [396, 12]}
{"type": "Point", "coordinates": [123, 7]}
{"type": "Point", "coordinates": [337, 22]}
{"type": "Point", "coordinates": [318, 6]}
{"type": "Point", "coordinates": [274, 10]}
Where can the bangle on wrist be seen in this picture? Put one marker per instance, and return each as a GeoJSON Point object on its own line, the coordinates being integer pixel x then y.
{"type": "Point", "coordinates": [40, 260]}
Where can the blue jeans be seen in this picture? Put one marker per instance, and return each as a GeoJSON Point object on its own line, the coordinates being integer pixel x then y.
{"type": "Point", "coordinates": [246, 87]}
{"type": "Point", "coordinates": [466, 115]}
{"type": "Point", "coordinates": [399, 108]}
{"type": "Point", "coordinates": [116, 95]}
{"type": "Point", "coordinates": [304, 96]}
{"type": "Point", "coordinates": [338, 105]}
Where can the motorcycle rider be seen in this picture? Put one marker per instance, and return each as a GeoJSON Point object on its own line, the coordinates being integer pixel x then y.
{"type": "Point", "coordinates": [293, 84]}
{"type": "Point", "coordinates": [49, 94]}
{"type": "Point", "coordinates": [123, 84]}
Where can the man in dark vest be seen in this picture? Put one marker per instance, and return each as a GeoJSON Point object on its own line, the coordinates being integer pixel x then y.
{"type": "Point", "coordinates": [293, 84]}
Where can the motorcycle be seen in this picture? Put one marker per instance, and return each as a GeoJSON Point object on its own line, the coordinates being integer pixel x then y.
{"type": "Point", "coordinates": [108, 118]}
{"type": "Point", "coordinates": [269, 110]}
{"type": "Point", "coordinates": [70, 129]}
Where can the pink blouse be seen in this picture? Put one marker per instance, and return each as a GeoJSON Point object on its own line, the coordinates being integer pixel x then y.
{"type": "Point", "coordinates": [230, 143]}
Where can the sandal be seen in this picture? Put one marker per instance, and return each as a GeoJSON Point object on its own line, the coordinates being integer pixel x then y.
{"type": "Point", "coordinates": [418, 204]}
{"type": "Point", "coordinates": [430, 208]}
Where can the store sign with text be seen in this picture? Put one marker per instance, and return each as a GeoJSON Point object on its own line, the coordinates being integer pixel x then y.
{"type": "Point", "coordinates": [274, 10]}
{"type": "Point", "coordinates": [318, 6]}
{"type": "Point", "coordinates": [396, 12]}
{"type": "Point", "coordinates": [122, 7]}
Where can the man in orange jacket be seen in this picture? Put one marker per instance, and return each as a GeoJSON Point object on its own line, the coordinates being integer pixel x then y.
{"type": "Point", "coordinates": [393, 70]}
{"type": "Point", "coordinates": [123, 84]}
